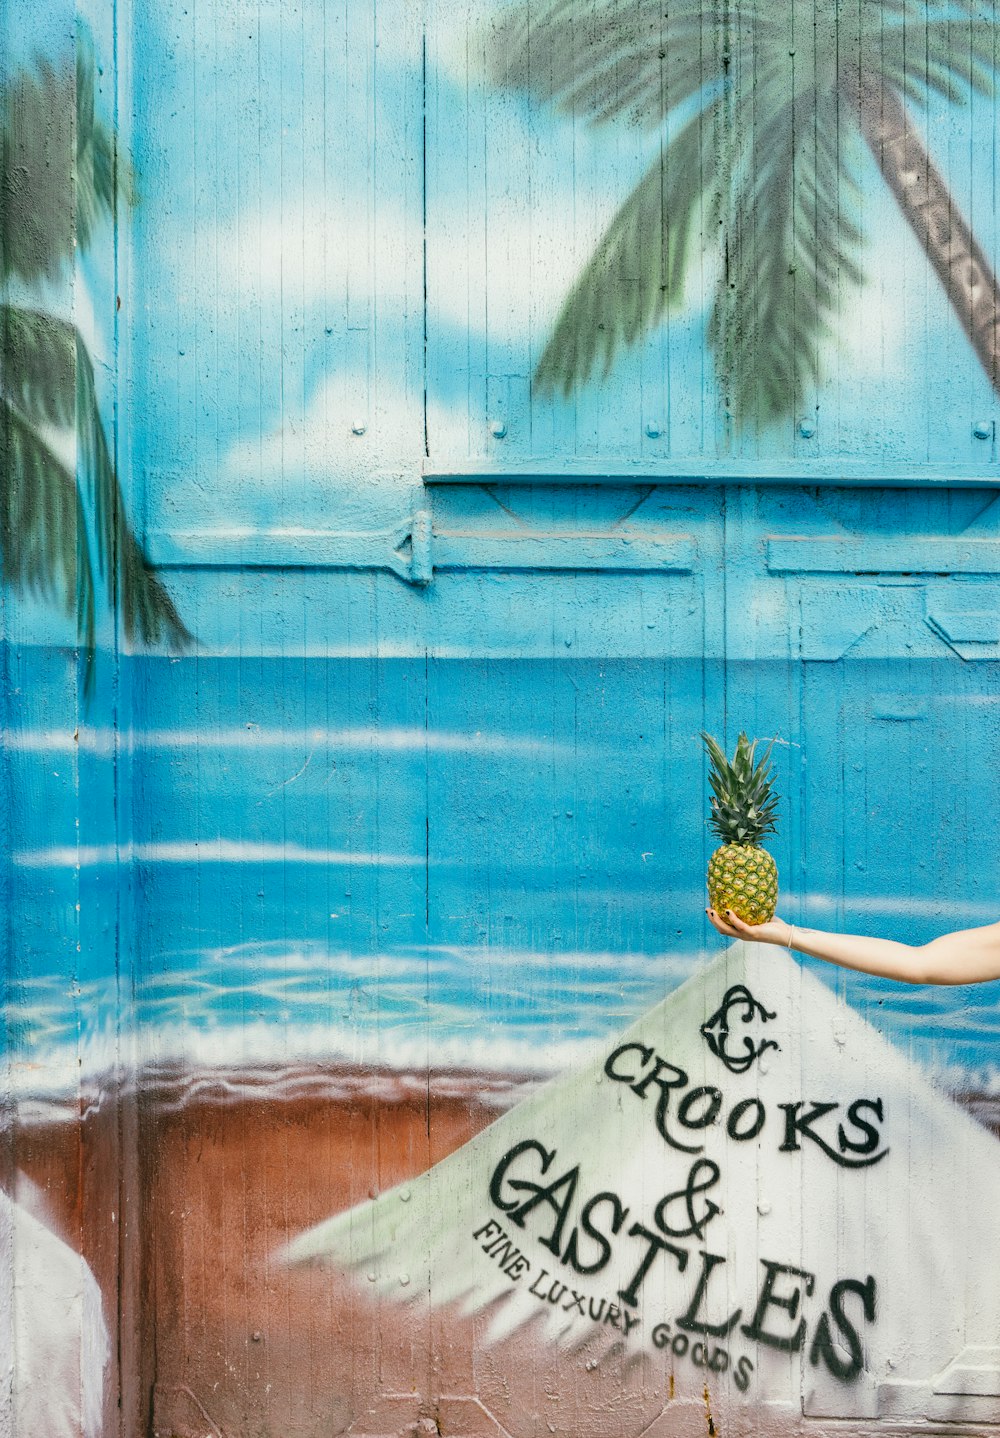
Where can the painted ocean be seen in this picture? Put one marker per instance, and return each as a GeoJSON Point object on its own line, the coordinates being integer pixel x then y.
{"type": "Point", "coordinates": [447, 865]}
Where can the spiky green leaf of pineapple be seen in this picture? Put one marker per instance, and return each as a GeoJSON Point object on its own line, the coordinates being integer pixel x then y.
{"type": "Point", "coordinates": [742, 876]}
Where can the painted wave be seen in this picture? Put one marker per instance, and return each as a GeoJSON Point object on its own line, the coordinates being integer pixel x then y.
{"type": "Point", "coordinates": [273, 1019]}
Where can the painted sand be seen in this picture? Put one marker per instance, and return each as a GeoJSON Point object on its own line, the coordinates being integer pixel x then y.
{"type": "Point", "coordinates": [237, 1163]}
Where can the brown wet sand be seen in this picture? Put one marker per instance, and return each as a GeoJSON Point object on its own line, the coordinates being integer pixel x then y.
{"type": "Point", "coordinates": [219, 1341]}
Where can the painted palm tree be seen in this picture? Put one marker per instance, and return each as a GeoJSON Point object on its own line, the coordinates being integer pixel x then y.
{"type": "Point", "coordinates": [59, 180]}
{"type": "Point", "coordinates": [763, 107]}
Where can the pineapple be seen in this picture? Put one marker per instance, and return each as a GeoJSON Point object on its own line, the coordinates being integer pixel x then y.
{"type": "Point", "coordinates": [741, 875]}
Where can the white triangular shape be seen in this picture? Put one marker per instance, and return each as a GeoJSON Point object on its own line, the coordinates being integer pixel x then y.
{"type": "Point", "coordinates": [806, 1194]}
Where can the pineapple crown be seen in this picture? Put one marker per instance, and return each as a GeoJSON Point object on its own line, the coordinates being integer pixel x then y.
{"type": "Point", "coordinates": [743, 798]}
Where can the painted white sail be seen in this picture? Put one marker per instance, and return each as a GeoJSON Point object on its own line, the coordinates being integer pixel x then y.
{"type": "Point", "coordinates": [750, 1186]}
{"type": "Point", "coordinates": [54, 1344]}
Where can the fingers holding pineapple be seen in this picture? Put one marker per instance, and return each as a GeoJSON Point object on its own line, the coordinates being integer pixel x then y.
{"type": "Point", "coordinates": [776, 931]}
{"type": "Point", "coordinates": [742, 876]}
{"type": "Point", "coordinates": [743, 891]}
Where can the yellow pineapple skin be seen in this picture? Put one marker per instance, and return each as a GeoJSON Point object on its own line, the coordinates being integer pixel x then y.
{"type": "Point", "coordinates": [744, 878]}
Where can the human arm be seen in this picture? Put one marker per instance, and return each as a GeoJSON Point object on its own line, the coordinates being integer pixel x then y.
{"type": "Point", "coordinates": [968, 956]}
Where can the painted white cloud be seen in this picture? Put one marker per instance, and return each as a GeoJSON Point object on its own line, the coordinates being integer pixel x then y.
{"type": "Point", "coordinates": [393, 30]}
{"type": "Point", "coordinates": [363, 256]}
{"type": "Point", "coordinates": [958, 910]}
{"type": "Point", "coordinates": [207, 851]}
{"type": "Point", "coordinates": [313, 440]}
{"type": "Point", "coordinates": [499, 275]}
{"type": "Point", "coordinates": [392, 739]}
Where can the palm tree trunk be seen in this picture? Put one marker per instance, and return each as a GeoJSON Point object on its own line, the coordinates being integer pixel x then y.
{"type": "Point", "coordinates": [924, 198]}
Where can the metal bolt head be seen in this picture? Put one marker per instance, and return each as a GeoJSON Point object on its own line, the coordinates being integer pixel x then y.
{"type": "Point", "coordinates": [807, 427]}
{"type": "Point", "coordinates": [654, 428]}
{"type": "Point", "coordinates": [358, 427]}
{"type": "Point", "coordinates": [982, 429]}
{"type": "Point", "coordinates": [498, 428]}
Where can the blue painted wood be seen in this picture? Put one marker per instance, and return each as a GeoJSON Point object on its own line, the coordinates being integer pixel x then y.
{"type": "Point", "coordinates": [429, 792]}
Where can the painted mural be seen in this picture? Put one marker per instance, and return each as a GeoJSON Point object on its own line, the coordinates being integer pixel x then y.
{"type": "Point", "coordinates": [62, 180]}
{"type": "Point", "coordinates": [762, 111]}
{"type": "Point", "coordinates": [421, 426]}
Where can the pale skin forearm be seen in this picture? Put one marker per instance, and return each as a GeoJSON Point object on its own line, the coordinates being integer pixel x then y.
{"type": "Point", "coordinates": [968, 956]}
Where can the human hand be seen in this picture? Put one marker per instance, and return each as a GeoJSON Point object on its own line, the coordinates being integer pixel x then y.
{"type": "Point", "coordinates": [775, 931]}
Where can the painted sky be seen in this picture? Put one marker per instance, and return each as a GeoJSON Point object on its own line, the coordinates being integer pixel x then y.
{"type": "Point", "coordinates": [278, 276]}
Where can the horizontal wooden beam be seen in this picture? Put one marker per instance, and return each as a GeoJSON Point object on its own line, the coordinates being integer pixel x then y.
{"type": "Point", "coordinates": [414, 551]}
{"type": "Point", "coordinates": [805, 472]}
{"type": "Point", "coordinates": [888, 554]}
{"type": "Point", "coordinates": [619, 551]}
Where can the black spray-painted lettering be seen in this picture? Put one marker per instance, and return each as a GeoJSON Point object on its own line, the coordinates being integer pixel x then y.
{"type": "Point", "coordinates": [872, 1138]}
{"type": "Point", "coordinates": [691, 1319]}
{"type": "Point", "coordinates": [855, 1143]}
{"type": "Point", "coordinates": [675, 1079]}
{"type": "Point", "coordinates": [618, 1216]}
{"type": "Point", "coordinates": [654, 1244]}
{"type": "Point", "coordinates": [741, 1375]}
{"type": "Point", "coordinates": [528, 1145]}
{"type": "Point", "coordinates": [611, 1063]}
{"type": "Point", "coordinates": [561, 1295]}
{"type": "Point", "coordinates": [687, 1110]}
{"type": "Point", "coordinates": [825, 1348]}
{"type": "Point", "coordinates": [522, 1185]}
{"type": "Point", "coordinates": [768, 1299]}
{"type": "Point", "coordinates": [557, 1195]}
{"type": "Point", "coordinates": [714, 1356]}
{"type": "Point", "coordinates": [800, 1125]}
{"type": "Point", "coordinates": [496, 1244]}
{"type": "Point", "coordinates": [704, 1175]}
{"type": "Point", "coordinates": [735, 1126]}
{"type": "Point", "coordinates": [719, 1036]}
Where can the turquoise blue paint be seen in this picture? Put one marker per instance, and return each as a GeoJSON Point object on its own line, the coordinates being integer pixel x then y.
{"type": "Point", "coordinates": [499, 859]}
{"type": "Point", "coordinates": [524, 776]}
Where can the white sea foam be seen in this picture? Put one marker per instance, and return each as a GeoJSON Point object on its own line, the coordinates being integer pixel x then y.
{"type": "Point", "coordinates": [181, 1063]}
{"type": "Point", "coordinates": [66, 1081]}
{"type": "Point", "coordinates": [264, 1009]}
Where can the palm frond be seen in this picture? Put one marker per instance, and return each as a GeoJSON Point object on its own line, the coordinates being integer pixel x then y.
{"type": "Point", "coordinates": [58, 168]}
{"type": "Point", "coordinates": [602, 61]}
{"type": "Point", "coordinates": [102, 174]}
{"type": "Point", "coordinates": [146, 608]}
{"type": "Point", "coordinates": [953, 59]}
{"type": "Point", "coordinates": [788, 213]}
{"type": "Point", "coordinates": [43, 533]}
{"type": "Point", "coordinates": [637, 270]}
{"type": "Point", "coordinates": [47, 378]}
{"type": "Point", "coordinates": [59, 177]}
{"type": "Point", "coordinates": [792, 246]}
{"type": "Point", "coordinates": [37, 225]}
{"type": "Point", "coordinates": [38, 364]}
